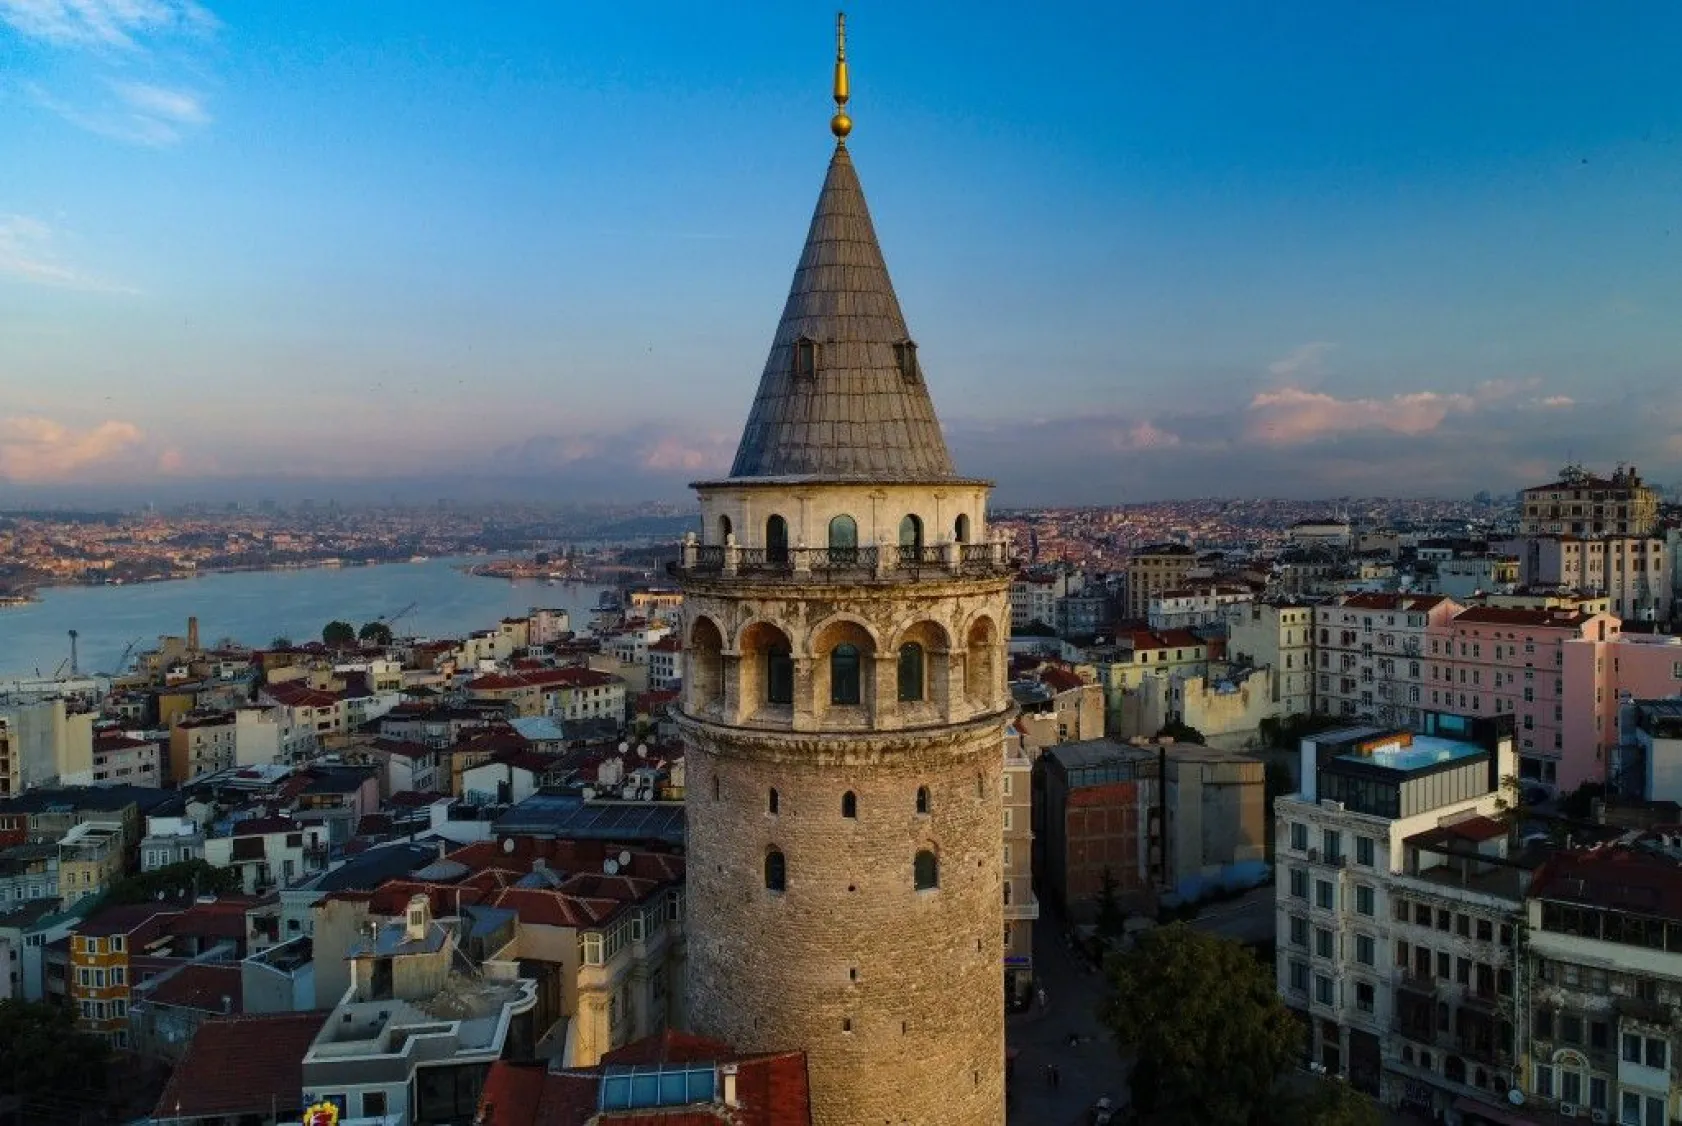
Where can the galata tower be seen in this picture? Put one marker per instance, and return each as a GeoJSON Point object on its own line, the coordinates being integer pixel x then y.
{"type": "Point", "coordinates": [844, 711]}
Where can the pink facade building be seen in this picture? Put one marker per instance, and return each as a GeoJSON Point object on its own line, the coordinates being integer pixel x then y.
{"type": "Point", "coordinates": [1632, 666]}
{"type": "Point", "coordinates": [1494, 660]}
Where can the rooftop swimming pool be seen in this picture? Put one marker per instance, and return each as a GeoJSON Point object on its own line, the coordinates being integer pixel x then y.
{"type": "Point", "coordinates": [1427, 750]}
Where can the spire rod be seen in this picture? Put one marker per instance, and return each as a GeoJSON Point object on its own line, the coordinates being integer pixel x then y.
{"type": "Point", "coordinates": [841, 124]}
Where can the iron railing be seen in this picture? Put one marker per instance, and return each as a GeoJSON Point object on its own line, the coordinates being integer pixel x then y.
{"type": "Point", "coordinates": [925, 561]}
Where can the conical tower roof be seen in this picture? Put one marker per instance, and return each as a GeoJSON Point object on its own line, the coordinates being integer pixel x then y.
{"type": "Point", "coordinates": [842, 396]}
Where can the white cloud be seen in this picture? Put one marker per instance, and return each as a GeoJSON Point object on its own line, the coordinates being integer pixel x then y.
{"type": "Point", "coordinates": [1302, 361]}
{"type": "Point", "coordinates": [162, 102]}
{"type": "Point", "coordinates": [116, 31]}
{"type": "Point", "coordinates": [39, 449]}
{"type": "Point", "coordinates": [1556, 402]}
{"type": "Point", "coordinates": [103, 23]}
{"type": "Point", "coordinates": [1292, 415]}
{"type": "Point", "coordinates": [136, 113]}
{"type": "Point", "coordinates": [28, 253]}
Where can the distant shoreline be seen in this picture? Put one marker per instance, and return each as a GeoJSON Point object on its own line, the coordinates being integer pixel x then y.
{"type": "Point", "coordinates": [31, 594]}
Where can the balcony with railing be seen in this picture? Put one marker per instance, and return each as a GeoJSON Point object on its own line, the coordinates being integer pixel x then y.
{"type": "Point", "coordinates": [887, 563]}
{"type": "Point", "coordinates": [1021, 908]}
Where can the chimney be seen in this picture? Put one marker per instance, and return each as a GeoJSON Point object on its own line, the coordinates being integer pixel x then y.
{"type": "Point", "coordinates": [227, 1004]}
{"type": "Point", "coordinates": [193, 634]}
{"type": "Point", "coordinates": [727, 1073]}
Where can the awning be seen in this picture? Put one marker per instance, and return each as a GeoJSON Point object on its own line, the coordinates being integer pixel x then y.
{"type": "Point", "coordinates": [1489, 1112]}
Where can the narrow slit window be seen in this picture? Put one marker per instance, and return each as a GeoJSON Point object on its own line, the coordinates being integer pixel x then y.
{"type": "Point", "coordinates": [905, 356]}
{"type": "Point", "coordinates": [805, 358]}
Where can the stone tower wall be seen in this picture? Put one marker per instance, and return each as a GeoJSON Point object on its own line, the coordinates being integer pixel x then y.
{"type": "Point", "coordinates": [896, 994]}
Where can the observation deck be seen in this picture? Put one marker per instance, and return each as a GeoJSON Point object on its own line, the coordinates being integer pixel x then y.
{"type": "Point", "coordinates": [886, 564]}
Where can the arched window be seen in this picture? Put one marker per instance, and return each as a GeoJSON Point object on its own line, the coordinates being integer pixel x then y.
{"type": "Point", "coordinates": [776, 540]}
{"type": "Point", "coordinates": [849, 804]}
{"type": "Point", "coordinates": [844, 674]}
{"type": "Point", "coordinates": [926, 871]}
{"type": "Point", "coordinates": [779, 675]}
{"type": "Point", "coordinates": [772, 802]}
{"type": "Point", "coordinates": [922, 799]}
{"type": "Point", "coordinates": [960, 528]}
{"type": "Point", "coordinates": [724, 529]}
{"type": "Point", "coordinates": [776, 871]}
{"type": "Point", "coordinates": [843, 540]}
{"type": "Point", "coordinates": [911, 539]}
{"type": "Point", "coordinates": [910, 671]}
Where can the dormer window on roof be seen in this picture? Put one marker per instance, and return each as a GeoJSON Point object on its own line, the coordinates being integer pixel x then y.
{"type": "Point", "coordinates": [806, 358]}
{"type": "Point", "coordinates": [905, 355]}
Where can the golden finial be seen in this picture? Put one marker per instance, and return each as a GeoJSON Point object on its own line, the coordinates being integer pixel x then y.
{"type": "Point", "coordinates": [841, 124]}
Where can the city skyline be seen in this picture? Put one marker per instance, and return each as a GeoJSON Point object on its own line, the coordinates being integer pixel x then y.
{"type": "Point", "coordinates": [1303, 253]}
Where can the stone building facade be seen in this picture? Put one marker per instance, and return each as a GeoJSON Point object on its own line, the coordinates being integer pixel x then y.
{"type": "Point", "coordinates": [843, 708]}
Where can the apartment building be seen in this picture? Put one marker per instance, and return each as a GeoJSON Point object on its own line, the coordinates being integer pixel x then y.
{"type": "Point", "coordinates": [170, 840]}
{"type": "Point", "coordinates": [44, 742]}
{"type": "Point", "coordinates": [91, 857]}
{"type": "Point", "coordinates": [1497, 661]}
{"type": "Point", "coordinates": [1152, 570]}
{"type": "Point", "coordinates": [123, 759]}
{"type": "Point", "coordinates": [1371, 659]}
{"type": "Point", "coordinates": [1100, 822]}
{"type": "Point", "coordinates": [1604, 973]}
{"type": "Point", "coordinates": [269, 853]}
{"type": "Point", "coordinates": [567, 693]}
{"type": "Point", "coordinates": [1342, 843]}
{"type": "Point", "coordinates": [1635, 573]}
{"type": "Point", "coordinates": [1581, 504]}
{"type": "Point", "coordinates": [1195, 606]}
{"type": "Point", "coordinates": [1280, 636]}
{"type": "Point", "coordinates": [1022, 907]}
{"type": "Point", "coordinates": [665, 664]}
{"type": "Point", "coordinates": [201, 743]}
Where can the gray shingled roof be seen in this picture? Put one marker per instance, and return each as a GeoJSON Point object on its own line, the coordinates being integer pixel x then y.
{"type": "Point", "coordinates": [858, 416]}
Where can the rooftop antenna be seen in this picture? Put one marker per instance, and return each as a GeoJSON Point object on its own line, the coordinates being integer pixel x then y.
{"type": "Point", "coordinates": [75, 668]}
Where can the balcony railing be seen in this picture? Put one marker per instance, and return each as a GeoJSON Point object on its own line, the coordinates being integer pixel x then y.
{"type": "Point", "coordinates": [890, 562]}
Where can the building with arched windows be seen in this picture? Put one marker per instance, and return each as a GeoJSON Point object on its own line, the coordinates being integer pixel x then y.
{"type": "Point", "coordinates": [844, 711]}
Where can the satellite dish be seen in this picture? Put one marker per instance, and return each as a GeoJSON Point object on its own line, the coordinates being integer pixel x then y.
{"type": "Point", "coordinates": [623, 747]}
{"type": "Point", "coordinates": [610, 866]}
{"type": "Point", "coordinates": [1516, 1097]}
{"type": "Point", "coordinates": [642, 750]}
{"type": "Point", "coordinates": [508, 844]}
{"type": "Point", "coordinates": [625, 859]}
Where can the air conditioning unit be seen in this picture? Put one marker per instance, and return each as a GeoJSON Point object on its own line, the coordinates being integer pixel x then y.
{"type": "Point", "coordinates": [1314, 855]}
{"type": "Point", "coordinates": [1599, 1117]}
{"type": "Point", "coordinates": [1567, 1110]}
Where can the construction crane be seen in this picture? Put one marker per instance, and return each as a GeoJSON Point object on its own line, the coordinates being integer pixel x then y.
{"type": "Point", "coordinates": [122, 662]}
{"type": "Point", "coordinates": [75, 669]}
{"type": "Point", "coordinates": [388, 619]}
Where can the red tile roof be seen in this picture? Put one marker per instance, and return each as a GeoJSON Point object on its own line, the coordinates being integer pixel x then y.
{"type": "Point", "coordinates": [202, 985]}
{"type": "Point", "coordinates": [570, 677]}
{"type": "Point", "coordinates": [1642, 881]}
{"type": "Point", "coordinates": [300, 696]}
{"type": "Point", "coordinates": [771, 1090]}
{"type": "Point", "coordinates": [242, 1065]}
{"type": "Point", "coordinates": [1558, 618]}
{"type": "Point", "coordinates": [1404, 603]}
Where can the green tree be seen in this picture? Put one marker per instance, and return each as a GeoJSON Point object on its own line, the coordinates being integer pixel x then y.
{"type": "Point", "coordinates": [1332, 1102]}
{"type": "Point", "coordinates": [1512, 806]}
{"type": "Point", "coordinates": [376, 632]}
{"type": "Point", "coordinates": [174, 881]}
{"type": "Point", "coordinates": [1035, 628]}
{"type": "Point", "coordinates": [338, 634]}
{"type": "Point", "coordinates": [281, 643]}
{"type": "Point", "coordinates": [1194, 1006]}
{"type": "Point", "coordinates": [44, 1053]}
{"type": "Point", "coordinates": [1180, 733]}
{"type": "Point", "coordinates": [1112, 920]}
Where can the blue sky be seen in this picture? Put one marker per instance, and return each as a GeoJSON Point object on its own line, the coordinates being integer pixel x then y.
{"type": "Point", "coordinates": [1148, 250]}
